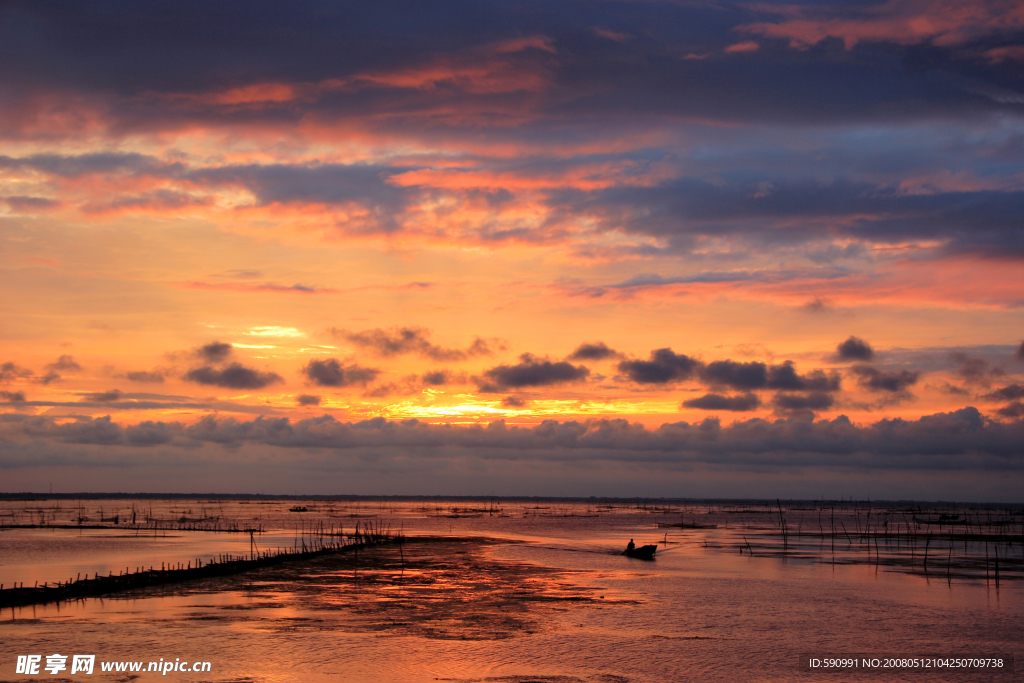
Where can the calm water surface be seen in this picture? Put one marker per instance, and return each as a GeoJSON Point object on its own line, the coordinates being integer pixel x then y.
{"type": "Point", "coordinates": [557, 604]}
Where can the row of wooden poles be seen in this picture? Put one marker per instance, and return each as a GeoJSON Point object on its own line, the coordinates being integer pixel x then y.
{"type": "Point", "coordinates": [314, 542]}
{"type": "Point", "coordinates": [153, 526]}
{"type": "Point", "coordinates": [906, 534]}
{"type": "Point", "coordinates": [122, 520]}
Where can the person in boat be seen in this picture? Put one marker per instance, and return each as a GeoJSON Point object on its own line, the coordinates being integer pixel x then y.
{"type": "Point", "coordinates": [631, 546]}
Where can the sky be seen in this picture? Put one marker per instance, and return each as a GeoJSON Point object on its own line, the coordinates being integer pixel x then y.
{"type": "Point", "coordinates": [617, 248]}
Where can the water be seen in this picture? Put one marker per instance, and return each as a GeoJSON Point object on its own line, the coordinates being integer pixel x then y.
{"type": "Point", "coordinates": [545, 599]}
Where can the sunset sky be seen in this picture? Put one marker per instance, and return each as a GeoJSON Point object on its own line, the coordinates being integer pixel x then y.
{"type": "Point", "coordinates": [578, 248]}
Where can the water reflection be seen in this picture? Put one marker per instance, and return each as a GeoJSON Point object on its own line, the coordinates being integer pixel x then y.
{"type": "Point", "coordinates": [546, 599]}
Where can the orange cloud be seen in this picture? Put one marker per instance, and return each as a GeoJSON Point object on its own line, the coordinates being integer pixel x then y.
{"type": "Point", "coordinates": [1001, 54]}
{"type": "Point", "coordinates": [484, 70]}
{"type": "Point", "coordinates": [586, 176]}
{"type": "Point", "coordinates": [748, 46]}
{"type": "Point", "coordinates": [617, 36]}
{"type": "Point", "coordinates": [253, 94]}
{"type": "Point", "coordinates": [943, 22]}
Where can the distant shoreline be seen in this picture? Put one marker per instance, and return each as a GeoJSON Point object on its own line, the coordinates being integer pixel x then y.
{"type": "Point", "coordinates": [28, 496]}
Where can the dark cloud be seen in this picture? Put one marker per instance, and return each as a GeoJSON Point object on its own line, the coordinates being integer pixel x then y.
{"type": "Point", "coordinates": [100, 430]}
{"type": "Point", "coordinates": [65, 363]}
{"type": "Point", "coordinates": [515, 74]}
{"type": "Point", "coordinates": [531, 372]}
{"type": "Point", "coordinates": [107, 163]}
{"type": "Point", "coordinates": [10, 371]}
{"type": "Point", "coordinates": [439, 378]}
{"type": "Point", "coordinates": [402, 340]}
{"type": "Point", "coordinates": [956, 441]}
{"type": "Point", "coordinates": [1019, 355]}
{"type": "Point", "coordinates": [980, 222]}
{"type": "Point", "coordinates": [1015, 409]}
{"type": "Point", "coordinates": [234, 376]}
{"type": "Point", "coordinates": [893, 381]}
{"type": "Point", "coordinates": [435, 378]}
{"type": "Point", "coordinates": [317, 184]}
{"type": "Point", "coordinates": [975, 370]}
{"type": "Point", "coordinates": [269, 183]}
{"type": "Point", "coordinates": [13, 396]}
{"type": "Point", "coordinates": [241, 274]}
{"type": "Point", "coordinates": [103, 431]}
{"type": "Point", "coordinates": [814, 401]}
{"type": "Point", "coordinates": [918, 23]}
{"type": "Point", "coordinates": [753, 375]}
{"type": "Point", "coordinates": [328, 372]}
{"type": "Point", "coordinates": [743, 402]}
{"type": "Point", "coordinates": [130, 402]}
{"type": "Point", "coordinates": [953, 390]}
{"type": "Point", "coordinates": [818, 305]}
{"type": "Point", "coordinates": [771, 209]}
{"type": "Point", "coordinates": [31, 203]}
{"type": "Point", "coordinates": [179, 59]}
{"type": "Point", "coordinates": [150, 433]}
{"type": "Point", "coordinates": [389, 389]}
{"type": "Point", "coordinates": [513, 402]}
{"type": "Point", "coordinates": [214, 352]}
{"type": "Point", "coordinates": [785, 377]}
{"type": "Point", "coordinates": [772, 275]}
{"type": "Point", "coordinates": [766, 211]}
{"type": "Point", "coordinates": [159, 200]}
{"type": "Point", "coordinates": [296, 288]}
{"type": "Point", "coordinates": [596, 351]}
{"type": "Point", "coordinates": [757, 375]}
{"type": "Point", "coordinates": [663, 366]}
{"type": "Point", "coordinates": [1007, 393]}
{"type": "Point", "coordinates": [144, 376]}
{"type": "Point", "coordinates": [104, 396]}
{"type": "Point", "coordinates": [855, 348]}
{"type": "Point", "coordinates": [307, 400]}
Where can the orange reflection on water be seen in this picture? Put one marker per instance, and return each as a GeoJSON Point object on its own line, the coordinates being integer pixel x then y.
{"type": "Point", "coordinates": [550, 596]}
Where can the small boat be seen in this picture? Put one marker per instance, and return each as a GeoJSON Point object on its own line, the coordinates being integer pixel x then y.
{"type": "Point", "coordinates": [298, 508]}
{"type": "Point", "coordinates": [644, 552]}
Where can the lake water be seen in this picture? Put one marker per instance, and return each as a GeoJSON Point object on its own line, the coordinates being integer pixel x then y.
{"type": "Point", "coordinates": [540, 594]}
